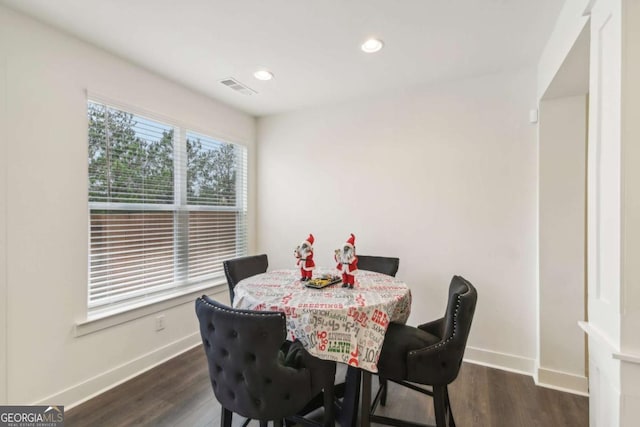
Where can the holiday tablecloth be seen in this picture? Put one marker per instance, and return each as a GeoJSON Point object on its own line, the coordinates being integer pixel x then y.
{"type": "Point", "coordinates": [334, 323]}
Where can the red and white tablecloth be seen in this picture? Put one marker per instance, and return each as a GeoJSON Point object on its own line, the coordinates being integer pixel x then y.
{"type": "Point", "coordinates": [334, 323]}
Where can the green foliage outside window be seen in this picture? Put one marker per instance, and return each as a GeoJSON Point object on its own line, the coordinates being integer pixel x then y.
{"type": "Point", "coordinates": [131, 160]}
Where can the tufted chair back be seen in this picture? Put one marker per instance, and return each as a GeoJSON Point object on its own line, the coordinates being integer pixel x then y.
{"type": "Point", "coordinates": [439, 364]}
{"type": "Point", "coordinates": [379, 264]}
{"type": "Point", "coordinates": [247, 367]}
{"type": "Point", "coordinates": [430, 354]}
{"type": "Point", "coordinates": [238, 269]}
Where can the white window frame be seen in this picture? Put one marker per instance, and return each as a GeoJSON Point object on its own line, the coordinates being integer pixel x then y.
{"type": "Point", "coordinates": [182, 290]}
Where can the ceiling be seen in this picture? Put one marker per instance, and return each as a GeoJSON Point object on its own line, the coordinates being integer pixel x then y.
{"type": "Point", "coordinates": [312, 46]}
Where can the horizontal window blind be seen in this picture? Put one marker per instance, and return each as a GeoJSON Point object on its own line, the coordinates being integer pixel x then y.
{"type": "Point", "coordinates": [167, 206]}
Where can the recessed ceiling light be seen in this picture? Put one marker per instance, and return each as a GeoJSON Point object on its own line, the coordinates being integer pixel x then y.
{"type": "Point", "coordinates": [371, 45]}
{"type": "Point", "coordinates": [263, 75]}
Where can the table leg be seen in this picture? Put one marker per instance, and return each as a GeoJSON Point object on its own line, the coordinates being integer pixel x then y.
{"type": "Point", "coordinates": [348, 415]}
{"type": "Point", "coordinates": [366, 399]}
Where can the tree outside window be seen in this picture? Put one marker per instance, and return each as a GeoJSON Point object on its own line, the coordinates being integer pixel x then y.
{"type": "Point", "coordinates": [164, 215]}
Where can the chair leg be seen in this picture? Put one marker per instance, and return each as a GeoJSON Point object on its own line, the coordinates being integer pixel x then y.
{"type": "Point", "coordinates": [383, 385]}
{"type": "Point", "coordinates": [365, 399]}
{"type": "Point", "coordinates": [439, 405]}
{"type": "Point", "coordinates": [225, 420]}
{"type": "Point", "coordinates": [329, 408]}
{"type": "Point", "coordinates": [277, 423]}
{"type": "Point", "coordinates": [263, 423]}
{"type": "Point", "coordinates": [452, 423]}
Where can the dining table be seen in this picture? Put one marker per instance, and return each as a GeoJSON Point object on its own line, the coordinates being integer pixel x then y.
{"type": "Point", "coordinates": [341, 324]}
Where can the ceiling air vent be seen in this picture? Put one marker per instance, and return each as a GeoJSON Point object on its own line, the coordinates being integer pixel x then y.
{"type": "Point", "coordinates": [237, 86]}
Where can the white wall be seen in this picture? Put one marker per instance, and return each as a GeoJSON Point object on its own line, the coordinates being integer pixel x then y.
{"type": "Point", "coordinates": [47, 75]}
{"type": "Point", "coordinates": [443, 177]}
{"type": "Point", "coordinates": [562, 229]}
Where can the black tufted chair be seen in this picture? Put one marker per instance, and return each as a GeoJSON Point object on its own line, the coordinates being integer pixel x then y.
{"type": "Point", "coordinates": [379, 264]}
{"type": "Point", "coordinates": [238, 269]}
{"type": "Point", "coordinates": [430, 354]}
{"type": "Point", "coordinates": [254, 371]}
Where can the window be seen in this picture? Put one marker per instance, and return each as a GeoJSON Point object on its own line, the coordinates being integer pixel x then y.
{"type": "Point", "coordinates": [167, 206]}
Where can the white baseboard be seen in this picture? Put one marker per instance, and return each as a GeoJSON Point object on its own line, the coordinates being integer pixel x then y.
{"type": "Point", "coordinates": [562, 381]}
{"type": "Point", "coordinates": [504, 361]}
{"type": "Point", "coordinates": [98, 384]}
{"type": "Point", "coordinates": [83, 391]}
{"type": "Point", "coordinates": [548, 378]}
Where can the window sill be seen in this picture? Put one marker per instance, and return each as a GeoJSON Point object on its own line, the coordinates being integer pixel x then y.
{"type": "Point", "coordinates": [108, 319]}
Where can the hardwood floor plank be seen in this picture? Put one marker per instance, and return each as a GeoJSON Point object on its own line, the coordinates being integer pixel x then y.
{"type": "Point", "coordinates": [178, 393]}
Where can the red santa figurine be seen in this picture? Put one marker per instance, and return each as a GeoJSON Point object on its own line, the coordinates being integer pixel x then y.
{"type": "Point", "coordinates": [347, 261]}
{"type": "Point", "coordinates": [304, 255]}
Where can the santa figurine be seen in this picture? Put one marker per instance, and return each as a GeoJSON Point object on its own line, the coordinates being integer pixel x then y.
{"type": "Point", "coordinates": [304, 255]}
{"type": "Point", "coordinates": [347, 262]}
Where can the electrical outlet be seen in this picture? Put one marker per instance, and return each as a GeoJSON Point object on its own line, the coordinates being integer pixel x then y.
{"type": "Point", "coordinates": [160, 322]}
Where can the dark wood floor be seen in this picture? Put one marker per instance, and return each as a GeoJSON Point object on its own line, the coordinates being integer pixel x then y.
{"type": "Point", "coordinates": [178, 393]}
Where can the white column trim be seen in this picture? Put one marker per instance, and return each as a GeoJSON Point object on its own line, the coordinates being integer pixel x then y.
{"type": "Point", "coordinates": [626, 357]}
{"type": "Point", "coordinates": [616, 353]}
{"type": "Point", "coordinates": [593, 332]}
{"type": "Point", "coordinates": [4, 322]}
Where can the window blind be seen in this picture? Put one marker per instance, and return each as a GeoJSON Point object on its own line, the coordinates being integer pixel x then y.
{"type": "Point", "coordinates": [167, 206]}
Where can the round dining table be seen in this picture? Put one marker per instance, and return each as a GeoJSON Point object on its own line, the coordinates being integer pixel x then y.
{"type": "Point", "coordinates": [346, 325]}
